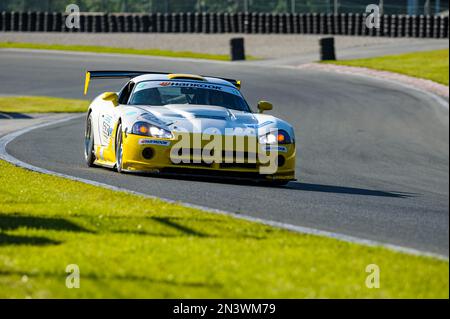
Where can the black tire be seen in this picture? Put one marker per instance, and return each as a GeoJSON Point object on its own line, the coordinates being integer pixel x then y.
{"type": "Point", "coordinates": [279, 183]}
{"type": "Point", "coordinates": [119, 149]}
{"type": "Point", "coordinates": [89, 153]}
{"type": "Point", "coordinates": [274, 183]}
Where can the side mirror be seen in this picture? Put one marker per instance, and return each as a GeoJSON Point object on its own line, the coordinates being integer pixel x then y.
{"type": "Point", "coordinates": [264, 106]}
{"type": "Point", "coordinates": [112, 97]}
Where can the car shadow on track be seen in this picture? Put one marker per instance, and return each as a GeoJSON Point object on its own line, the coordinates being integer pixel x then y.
{"type": "Point", "coordinates": [307, 187]}
{"type": "Point", "coordinates": [13, 116]}
{"type": "Point", "coordinates": [346, 190]}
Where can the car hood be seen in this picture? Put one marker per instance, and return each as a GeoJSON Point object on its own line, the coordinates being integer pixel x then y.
{"type": "Point", "coordinates": [198, 118]}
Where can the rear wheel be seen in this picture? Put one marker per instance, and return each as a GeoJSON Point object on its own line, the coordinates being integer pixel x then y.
{"type": "Point", "coordinates": [89, 154]}
{"type": "Point", "coordinates": [119, 148]}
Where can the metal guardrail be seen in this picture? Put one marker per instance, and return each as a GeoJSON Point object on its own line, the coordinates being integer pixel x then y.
{"type": "Point", "coordinates": [252, 23]}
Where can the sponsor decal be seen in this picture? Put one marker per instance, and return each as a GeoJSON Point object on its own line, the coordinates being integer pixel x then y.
{"type": "Point", "coordinates": [259, 125]}
{"type": "Point", "coordinates": [107, 127]}
{"type": "Point", "coordinates": [192, 85]}
{"type": "Point", "coordinates": [179, 84]}
{"type": "Point", "coordinates": [281, 149]}
{"type": "Point", "coordinates": [146, 141]}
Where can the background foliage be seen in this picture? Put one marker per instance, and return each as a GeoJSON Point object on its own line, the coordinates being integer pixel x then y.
{"type": "Point", "coordinates": [390, 6]}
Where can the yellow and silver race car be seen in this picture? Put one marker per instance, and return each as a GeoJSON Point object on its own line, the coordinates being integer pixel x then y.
{"type": "Point", "coordinates": [186, 124]}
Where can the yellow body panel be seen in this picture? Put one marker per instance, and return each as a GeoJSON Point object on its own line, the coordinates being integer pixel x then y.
{"type": "Point", "coordinates": [133, 159]}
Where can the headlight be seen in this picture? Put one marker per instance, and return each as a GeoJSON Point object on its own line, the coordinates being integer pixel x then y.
{"type": "Point", "coordinates": [280, 137]}
{"type": "Point", "coordinates": [147, 129]}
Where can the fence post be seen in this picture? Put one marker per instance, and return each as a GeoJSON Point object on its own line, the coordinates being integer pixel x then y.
{"type": "Point", "coordinates": [338, 23]}
{"type": "Point", "coordinates": [220, 22]}
{"type": "Point", "coordinates": [401, 25]}
{"type": "Point", "coordinates": [6, 21]}
{"type": "Point", "coordinates": [261, 22]}
{"type": "Point", "coordinates": [357, 20]}
{"type": "Point", "coordinates": [344, 23]}
{"type": "Point", "coordinates": [176, 22]}
{"type": "Point", "coordinates": [275, 23]}
{"type": "Point", "coordinates": [246, 20]}
{"type": "Point", "coordinates": [436, 24]}
{"type": "Point", "coordinates": [112, 22]}
{"type": "Point", "coordinates": [364, 29]}
{"type": "Point", "coordinates": [255, 22]}
{"type": "Point", "coordinates": [444, 27]}
{"type": "Point", "coordinates": [213, 22]}
{"type": "Point", "coordinates": [315, 23]}
{"type": "Point", "coordinates": [295, 23]}
{"type": "Point", "coordinates": [58, 22]}
{"type": "Point", "coordinates": [330, 25]}
{"type": "Point", "coordinates": [351, 24]}
{"type": "Point", "coordinates": [308, 23]}
{"type": "Point", "coordinates": [428, 26]}
{"type": "Point", "coordinates": [138, 25]}
{"type": "Point", "coordinates": [190, 22]}
{"type": "Point", "coordinates": [323, 27]}
{"type": "Point", "coordinates": [98, 24]}
{"type": "Point", "coordinates": [197, 22]}
{"type": "Point", "coordinates": [14, 21]}
{"type": "Point", "coordinates": [23, 21]}
{"type": "Point", "coordinates": [422, 26]}
{"type": "Point", "coordinates": [40, 21]}
{"type": "Point", "coordinates": [415, 26]}
{"type": "Point", "coordinates": [226, 22]}
{"type": "Point", "coordinates": [240, 24]}
{"type": "Point", "coordinates": [269, 23]}
{"type": "Point", "coordinates": [90, 23]}
{"type": "Point", "coordinates": [205, 22]}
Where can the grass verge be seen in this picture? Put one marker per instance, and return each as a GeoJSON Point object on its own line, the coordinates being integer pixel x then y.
{"type": "Point", "coordinates": [41, 104]}
{"type": "Point", "coordinates": [431, 65]}
{"type": "Point", "coordinates": [131, 246]}
{"type": "Point", "coordinates": [103, 49]}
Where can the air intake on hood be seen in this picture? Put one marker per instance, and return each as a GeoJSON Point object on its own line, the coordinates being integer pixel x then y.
{"type": "Point", "coordinates": [212, 117]}
{"type": "Point", "coordinates": [186, 77]}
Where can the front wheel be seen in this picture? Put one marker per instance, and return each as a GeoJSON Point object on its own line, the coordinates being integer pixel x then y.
{"type": "Point", "coordinates": [279, 183]}
{"type": "Point", "coordinates": [89, 154]}
{"type": "Point", "coordinates": [275, 183]}
{"type": "Point", "coordinates": [119, 149]}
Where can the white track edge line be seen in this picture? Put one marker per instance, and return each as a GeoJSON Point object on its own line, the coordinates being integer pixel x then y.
{"type": "Point", "coordinates": [434, 96]}
{"type": "Point", "coordinates": [5, 140]}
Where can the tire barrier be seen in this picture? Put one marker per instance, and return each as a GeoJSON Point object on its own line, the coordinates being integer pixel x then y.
{"type": "Point", "coordinates": [241, 22]}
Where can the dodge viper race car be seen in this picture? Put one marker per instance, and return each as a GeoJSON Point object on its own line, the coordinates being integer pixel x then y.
{"type": "Point", "coordinates": [186, 124]}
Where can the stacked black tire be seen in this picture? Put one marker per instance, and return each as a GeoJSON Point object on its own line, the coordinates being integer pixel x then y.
{"type": "Point", "coordinates": [251, 23]}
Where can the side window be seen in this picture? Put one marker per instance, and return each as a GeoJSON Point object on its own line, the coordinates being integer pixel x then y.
{"type": "Point", "coordinates": [124, 95]}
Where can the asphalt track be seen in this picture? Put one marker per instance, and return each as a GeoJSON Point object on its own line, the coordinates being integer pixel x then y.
{"type": "Point", "coordinates": [373, 160]}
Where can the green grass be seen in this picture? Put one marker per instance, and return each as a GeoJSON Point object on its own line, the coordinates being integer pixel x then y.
{"type": "Point", "coordinates": [40, 104]}
{"type": "Point", "coordinates": [431, 65]}
{"type": "Point", "coordinates": [131, 246]}
{"type": "Point", "coordinates": [103, 49]}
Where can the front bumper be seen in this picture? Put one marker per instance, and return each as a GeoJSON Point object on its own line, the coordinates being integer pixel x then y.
{"type": "Point", "coordinates": [153, 155]}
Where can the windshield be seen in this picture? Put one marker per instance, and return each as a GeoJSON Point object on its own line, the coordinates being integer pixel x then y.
{"type": "Point", "coordinates": [177, 92]}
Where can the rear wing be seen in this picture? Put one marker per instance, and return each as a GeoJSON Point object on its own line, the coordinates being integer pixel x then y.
{"type": "Point", "coordinates": [132, 74]}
